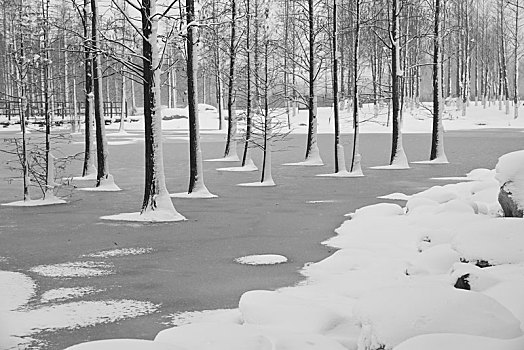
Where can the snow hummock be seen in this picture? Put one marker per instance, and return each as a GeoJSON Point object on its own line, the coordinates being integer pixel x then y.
{"type": "Point", "coordinates": [119, 252]}
{"type": "Point", "coordinates": [265, 259]}
{"type": "Point", "coordinates": [449, 341]}
{"type": "Point", "coordinates": [74, 269]}
{"type": "Point", "coordinates": [127, 344]}
{"type": "Point", "coordinates": [510, 172]}
{"type": "Point", "coordinates": [312, 161]}
{"type": "Point", "coordinates": [396, 196]}
{"type": "Point", "coordinates": [48, 200]}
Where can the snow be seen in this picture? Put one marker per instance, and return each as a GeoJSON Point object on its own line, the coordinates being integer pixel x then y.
{"type": "Point", "coordinates": [460, 342]}
{"type": "Point", "coordinates": [510, 172]}
{"type": "Point", "coordinates": [62, 294]}
{"type": "Point", "coordinates": [342, 174]}
{"type": "Point", "coordinates": [48, 200]}
{"type": "Point", "coordinates": [202, 193]}
{"type": "Point", "coordinates": [215, 336]}
{"type": "Point", "coordinates": [250, 166]}
{"type": "Point", "coordinates": [267, 183]}
{"type": "Point", "coordinates": [265, 259]}
{"type": "Point", "coordinates": [127, 344]}
{"type": "Point", "coordinates": [396, 196]}
{"type": "Point", "coordinates": [158, 215]}
{"type": "Point", "coordinates": [119, 252]}
{"type": "Point", "coordinates": [74, 269]}
{"type": "Point", "coordinates": [231, 158]}
{"type": "Point", "coordinates": [106, 185]}
{"type": "Point", "coordinates": [314, 160]}
{"type": "Point", "coordinates": [499, 241]}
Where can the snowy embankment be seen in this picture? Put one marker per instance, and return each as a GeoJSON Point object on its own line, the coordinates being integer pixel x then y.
{"type": "Point", "coordinates": [445, 271]}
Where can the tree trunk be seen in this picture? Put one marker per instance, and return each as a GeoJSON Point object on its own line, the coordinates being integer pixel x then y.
{"type": "Point", "coordinates": [246, 157]}
{"type": "Point", "coordinates": [196, 170]}
{"type": "Point", "coordinates": [89, 168]}
{"type": "Point", "coordinates": [437, 139]}
{"type": "Point", "coordinates": [312, 151]}
{"type": "Point", "coordinates": [516, 62]}
{"type": "Point", "coordinates": [156, 197]}
{"type": "Point", "coordinates": [231, 143]}
{"type": "Point", "coordinates": [356, 167]}
{"type": "Point", "coordinates": [398, 157]}
{"type": "Point", "coordinates": [103, 177]}
{"type": "Point", "coordinates": [339, 149]}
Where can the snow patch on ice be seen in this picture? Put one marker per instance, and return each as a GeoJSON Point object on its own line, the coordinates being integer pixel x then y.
{"type": "Point", "coordinates": [200, 194]}
{"type": "Point", "coordinates": [391, 167]}
{"type": "Point", "coordinates": [231, 158]}
{"type": "Point", "coordinates": [342, 174]}
{"type": "Point", "coordinates": [62, 294]}
{"type": "Point", "coordinates": [158, 215]}
{"type": "Point", "coordinates": [74, 269]}
{"type": "Point", "coordinates": [245, 168]}
{"type": "Point", "coordinates": [113, 253]}
{"type": "Point", "coordinates": [265, 259]}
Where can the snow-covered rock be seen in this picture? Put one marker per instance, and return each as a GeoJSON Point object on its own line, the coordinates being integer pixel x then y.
{"type": "Point", "coordinates": [392, 315]}
{"type": "Point", "coordinates": [263, 308]}
{"type": "Point", "coordinates": [510, 175]}
{"type": "Point", "coordinates": [215, 336]}
{"type": "Point", "coordinates": [435, 260]}
{"type": "Point", "coordinates": [495, 241]}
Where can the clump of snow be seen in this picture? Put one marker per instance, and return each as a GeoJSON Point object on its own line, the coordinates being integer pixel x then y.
{"type": "Point", "coordinates": [160, 214]}
{"type": "Point", "coordinates": [381, 209]}
{"type": "Point", "coordinates": [396, 196]}
{"type": "Point", "coordinates": [200, 194]}
{"type": "Point", "coordinates": [478, 279]}
{"type": "Point", "coordinates": [127, 344]}
{"type": "Point", "coordinates": [74, 269]}
{"type": "Point", "coordinates": [510, 172]}
{"type": "Point", "coordinates": [119, 252]}
{"type": "Point", "coordinates": [265, 259]}
{"type": "Point", "coordinates": [62, 294]}
{"type": "Point", "coordinates": [450, 341]}
{"type": "Point", "coordinates": [215, 336]}
{"type": "Point", "coordinates": [435, 260]}
{"type": "Point", "coordinates": [499, 241]}
{"type": "Point", "coordinates": [267, 308]}
{"type": "Point", "coordinates": [106, 185]}
{"type": "Point", "coordinates": [480, 174]}
{"type": "Point", "coordinates": [321, 201]}
{"type": "Point", "coordinates": [438, 194]}
{"type": "Point", "coordinates": [392, 315]}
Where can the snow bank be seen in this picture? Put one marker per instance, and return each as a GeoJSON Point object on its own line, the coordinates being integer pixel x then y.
{"type": "Point", "coordinates": [390, 316]}
{"type": "Point", "coordinates": [510, 175]}
{"type": "Point", "coordinates": [499, 241]}
{"type": "Point", "coordinates": [127, 344]}
{"type": "Point", "coordinates": [460, 342]}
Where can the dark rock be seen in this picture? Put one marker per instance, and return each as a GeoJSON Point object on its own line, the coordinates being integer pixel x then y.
{"type": "Point", "coordinates": [463, 283]}
{"type": "Point", "coordinates": [508, 203]}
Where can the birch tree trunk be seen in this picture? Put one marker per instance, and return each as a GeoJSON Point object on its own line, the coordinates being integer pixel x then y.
{"type": "Point", "coordinates": [398, 157]}
{"type": "Point", "coordinates": [89, 168]}
{"type": "Point", "coordinates": [196, 170]}
{"type": "Point", "coordinates": [516, 61]}
{"type": "Point", "coordinates": [231, 144]}
{"type": "Point", "coordinates": [156, 197]}
{"type": "Point", "coordinates": [312, 151]}
{"type": "Point", "coordinates": [356, 167]}
{"type": "Point", "coordinates": [437, 136]}
{"type": "Point", "coordinates": [103, 178]}
{"type": "Point", "coordinates": [340, 164]}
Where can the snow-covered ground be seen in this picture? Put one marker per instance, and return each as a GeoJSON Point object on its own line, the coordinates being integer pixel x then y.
{"type": "Point", "coordinates": [441, 271]}
{"type": "Point", "coordinates": [417, 120]}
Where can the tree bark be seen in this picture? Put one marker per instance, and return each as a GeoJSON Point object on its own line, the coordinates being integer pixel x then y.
{"type": "Point", "coordinates": [89, 136]}
{"type": "Point", "coordinates": [356, 167]}
{"type": "Point", "coordinates": [230, 150]}
{"type": "Point", "coordinates": [437, 139]}
{"type": "Point", "coordinates": [156, 197]}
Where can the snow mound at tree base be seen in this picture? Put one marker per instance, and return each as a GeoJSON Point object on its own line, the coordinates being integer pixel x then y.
{"type": "Point", "coordinates": [510, 175]}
